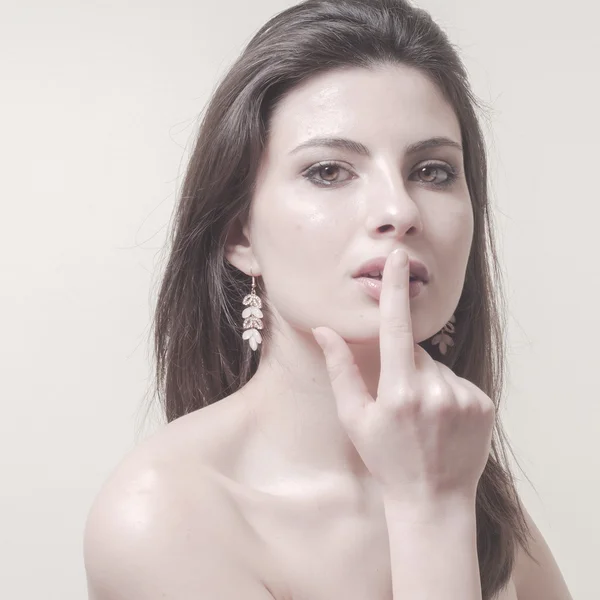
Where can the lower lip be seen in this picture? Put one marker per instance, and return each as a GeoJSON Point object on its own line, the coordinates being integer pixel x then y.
{"type": "Point", "coordinates": [373, 287]}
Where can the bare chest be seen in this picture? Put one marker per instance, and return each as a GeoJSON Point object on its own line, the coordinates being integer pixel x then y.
{"type": "Point", "coordinates": [314, 549]}
{"type": "Point", "coordinates": [326, 556]}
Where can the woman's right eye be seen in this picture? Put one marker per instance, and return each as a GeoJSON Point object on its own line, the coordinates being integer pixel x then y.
{"type": "Point", "coordinates": [325, 170]}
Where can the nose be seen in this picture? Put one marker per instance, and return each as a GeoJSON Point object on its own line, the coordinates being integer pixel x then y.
{"type": "Point", "coordinates": [393, 212]}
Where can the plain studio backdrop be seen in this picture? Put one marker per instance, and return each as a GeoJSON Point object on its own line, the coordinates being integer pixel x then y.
{"type": "Point", "coordinates": [100, 104]}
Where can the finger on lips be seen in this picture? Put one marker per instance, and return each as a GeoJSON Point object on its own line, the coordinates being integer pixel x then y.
{"type": "Point", "coordinates": [396, 336]}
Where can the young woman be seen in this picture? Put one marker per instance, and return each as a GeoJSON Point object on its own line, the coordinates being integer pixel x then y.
{"type": "Point", "coordinates": [339, 184]}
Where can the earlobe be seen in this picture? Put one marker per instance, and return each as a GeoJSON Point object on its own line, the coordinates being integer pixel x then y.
{"type": "Point", "coordinates": [243, 261]}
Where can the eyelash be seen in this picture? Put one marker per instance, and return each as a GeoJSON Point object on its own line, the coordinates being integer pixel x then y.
{"type": "Point", "coordinates": [451, 171]}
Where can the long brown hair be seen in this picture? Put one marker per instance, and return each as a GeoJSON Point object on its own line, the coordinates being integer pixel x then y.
{"type": "Point", "coordinates": [199, 352]}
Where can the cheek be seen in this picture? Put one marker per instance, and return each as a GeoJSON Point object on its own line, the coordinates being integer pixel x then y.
{"type": "Point", "coordinates": [453, 231]}
{"type": "Point", "coordinates": [308, 242]}
{"type": "Point", "coordinates": [450, 236]}
{"type": "Point", "coordinates": [303, 238]}
{"type": "Point", "coordinates": [299, 228]}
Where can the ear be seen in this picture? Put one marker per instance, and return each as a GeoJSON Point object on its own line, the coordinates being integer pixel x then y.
{"type": "Point", "coordinates": [238, 248]}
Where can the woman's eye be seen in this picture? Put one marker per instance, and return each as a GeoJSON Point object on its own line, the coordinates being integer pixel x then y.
{"type": "Point", "coordinates": [328, 174]}
{"type": "Point", "coordinates": [437, 175]}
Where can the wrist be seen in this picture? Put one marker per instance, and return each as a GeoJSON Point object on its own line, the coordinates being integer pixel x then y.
{"type": "Point", "coordinates": [456, 508]}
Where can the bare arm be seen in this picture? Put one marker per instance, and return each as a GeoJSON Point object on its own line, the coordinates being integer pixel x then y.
{"type": "Point", "coordinates": [433, 550]}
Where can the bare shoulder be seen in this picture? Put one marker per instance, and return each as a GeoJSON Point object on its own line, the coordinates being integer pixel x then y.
{"type": "Point", "coordinates": [162, 526]}
{"type": "Point", "coordinates": [538, 575]}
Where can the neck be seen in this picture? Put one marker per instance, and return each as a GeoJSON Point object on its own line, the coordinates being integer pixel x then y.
{"type": "Point", "coordinates": [295, 411]}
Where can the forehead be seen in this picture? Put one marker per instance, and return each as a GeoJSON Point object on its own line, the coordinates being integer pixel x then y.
{"type": "Point", "coordinates": [387, 105]}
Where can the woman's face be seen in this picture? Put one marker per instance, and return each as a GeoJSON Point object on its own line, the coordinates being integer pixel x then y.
{"type": "Point", "coordinates": [319, 212]}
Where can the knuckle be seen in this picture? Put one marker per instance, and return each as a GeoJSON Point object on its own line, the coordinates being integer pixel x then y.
{"type": "Point", "coordinates": [440, 393]}
{"type": "Point", "coordinates": [471, 408]}
{"type": "Point", "coordinates": [336, 370]}
{"type": "Point", "coordinates": [404, 400]}
{"type": "Point", "coordinates": [478, 406]}
{"type": "Point", "coordinates": [398, 326]}
{"type": "Point", "coordinates": [488, 406]}
{"type": "Point", "coordinates": [407, 395]}
{"type": "Point", "coordinates": [408, 402]}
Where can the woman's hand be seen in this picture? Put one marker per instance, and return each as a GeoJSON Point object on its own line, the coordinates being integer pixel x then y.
{"type": "Point", "coordinates": [427, 435]}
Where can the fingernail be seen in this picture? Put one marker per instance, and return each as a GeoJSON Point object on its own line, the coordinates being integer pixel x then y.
{"type": "Point", "coordinates": [399, 258]}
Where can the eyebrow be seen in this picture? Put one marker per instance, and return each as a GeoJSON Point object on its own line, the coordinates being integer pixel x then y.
{"type": "Point", "coordinates": [361, 149]}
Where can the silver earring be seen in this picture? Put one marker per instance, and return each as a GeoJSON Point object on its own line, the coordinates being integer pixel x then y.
{"type": "Point", "coordinates": [443, 338]}
{"type": "Point", "coordinates": [252, 317]}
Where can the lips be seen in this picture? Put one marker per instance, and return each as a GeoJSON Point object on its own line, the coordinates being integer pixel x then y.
{"type": "Point", "coordinates": [417, 269]}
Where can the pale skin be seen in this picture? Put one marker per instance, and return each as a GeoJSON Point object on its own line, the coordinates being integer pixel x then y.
{"type": "Point", "coordinates": [231, 501]}
{"type": "Point", "coordinates": [426, 439]}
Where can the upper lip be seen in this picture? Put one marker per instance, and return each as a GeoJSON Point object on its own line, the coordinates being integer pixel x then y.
{"type": "Point", "coordinates": [417, 268]}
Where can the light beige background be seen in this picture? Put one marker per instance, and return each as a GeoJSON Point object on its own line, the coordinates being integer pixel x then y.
{"type": "Point", "coordinates": [100, 102]}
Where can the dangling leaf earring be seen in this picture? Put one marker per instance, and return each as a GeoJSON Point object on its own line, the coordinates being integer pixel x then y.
{"type": "Point", "coordinates": [252, 317]}
{"type": "Point", "coordinates": [443, 337]}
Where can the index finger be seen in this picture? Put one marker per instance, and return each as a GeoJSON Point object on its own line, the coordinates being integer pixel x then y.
{"type": "Point", "coordinates": [396, 340]}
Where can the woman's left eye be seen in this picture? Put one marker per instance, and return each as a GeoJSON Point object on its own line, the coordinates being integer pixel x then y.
{"type": "Point", "coordinates": [431, 171]}
{"type": "Point", "coordinates": [448, 172]}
